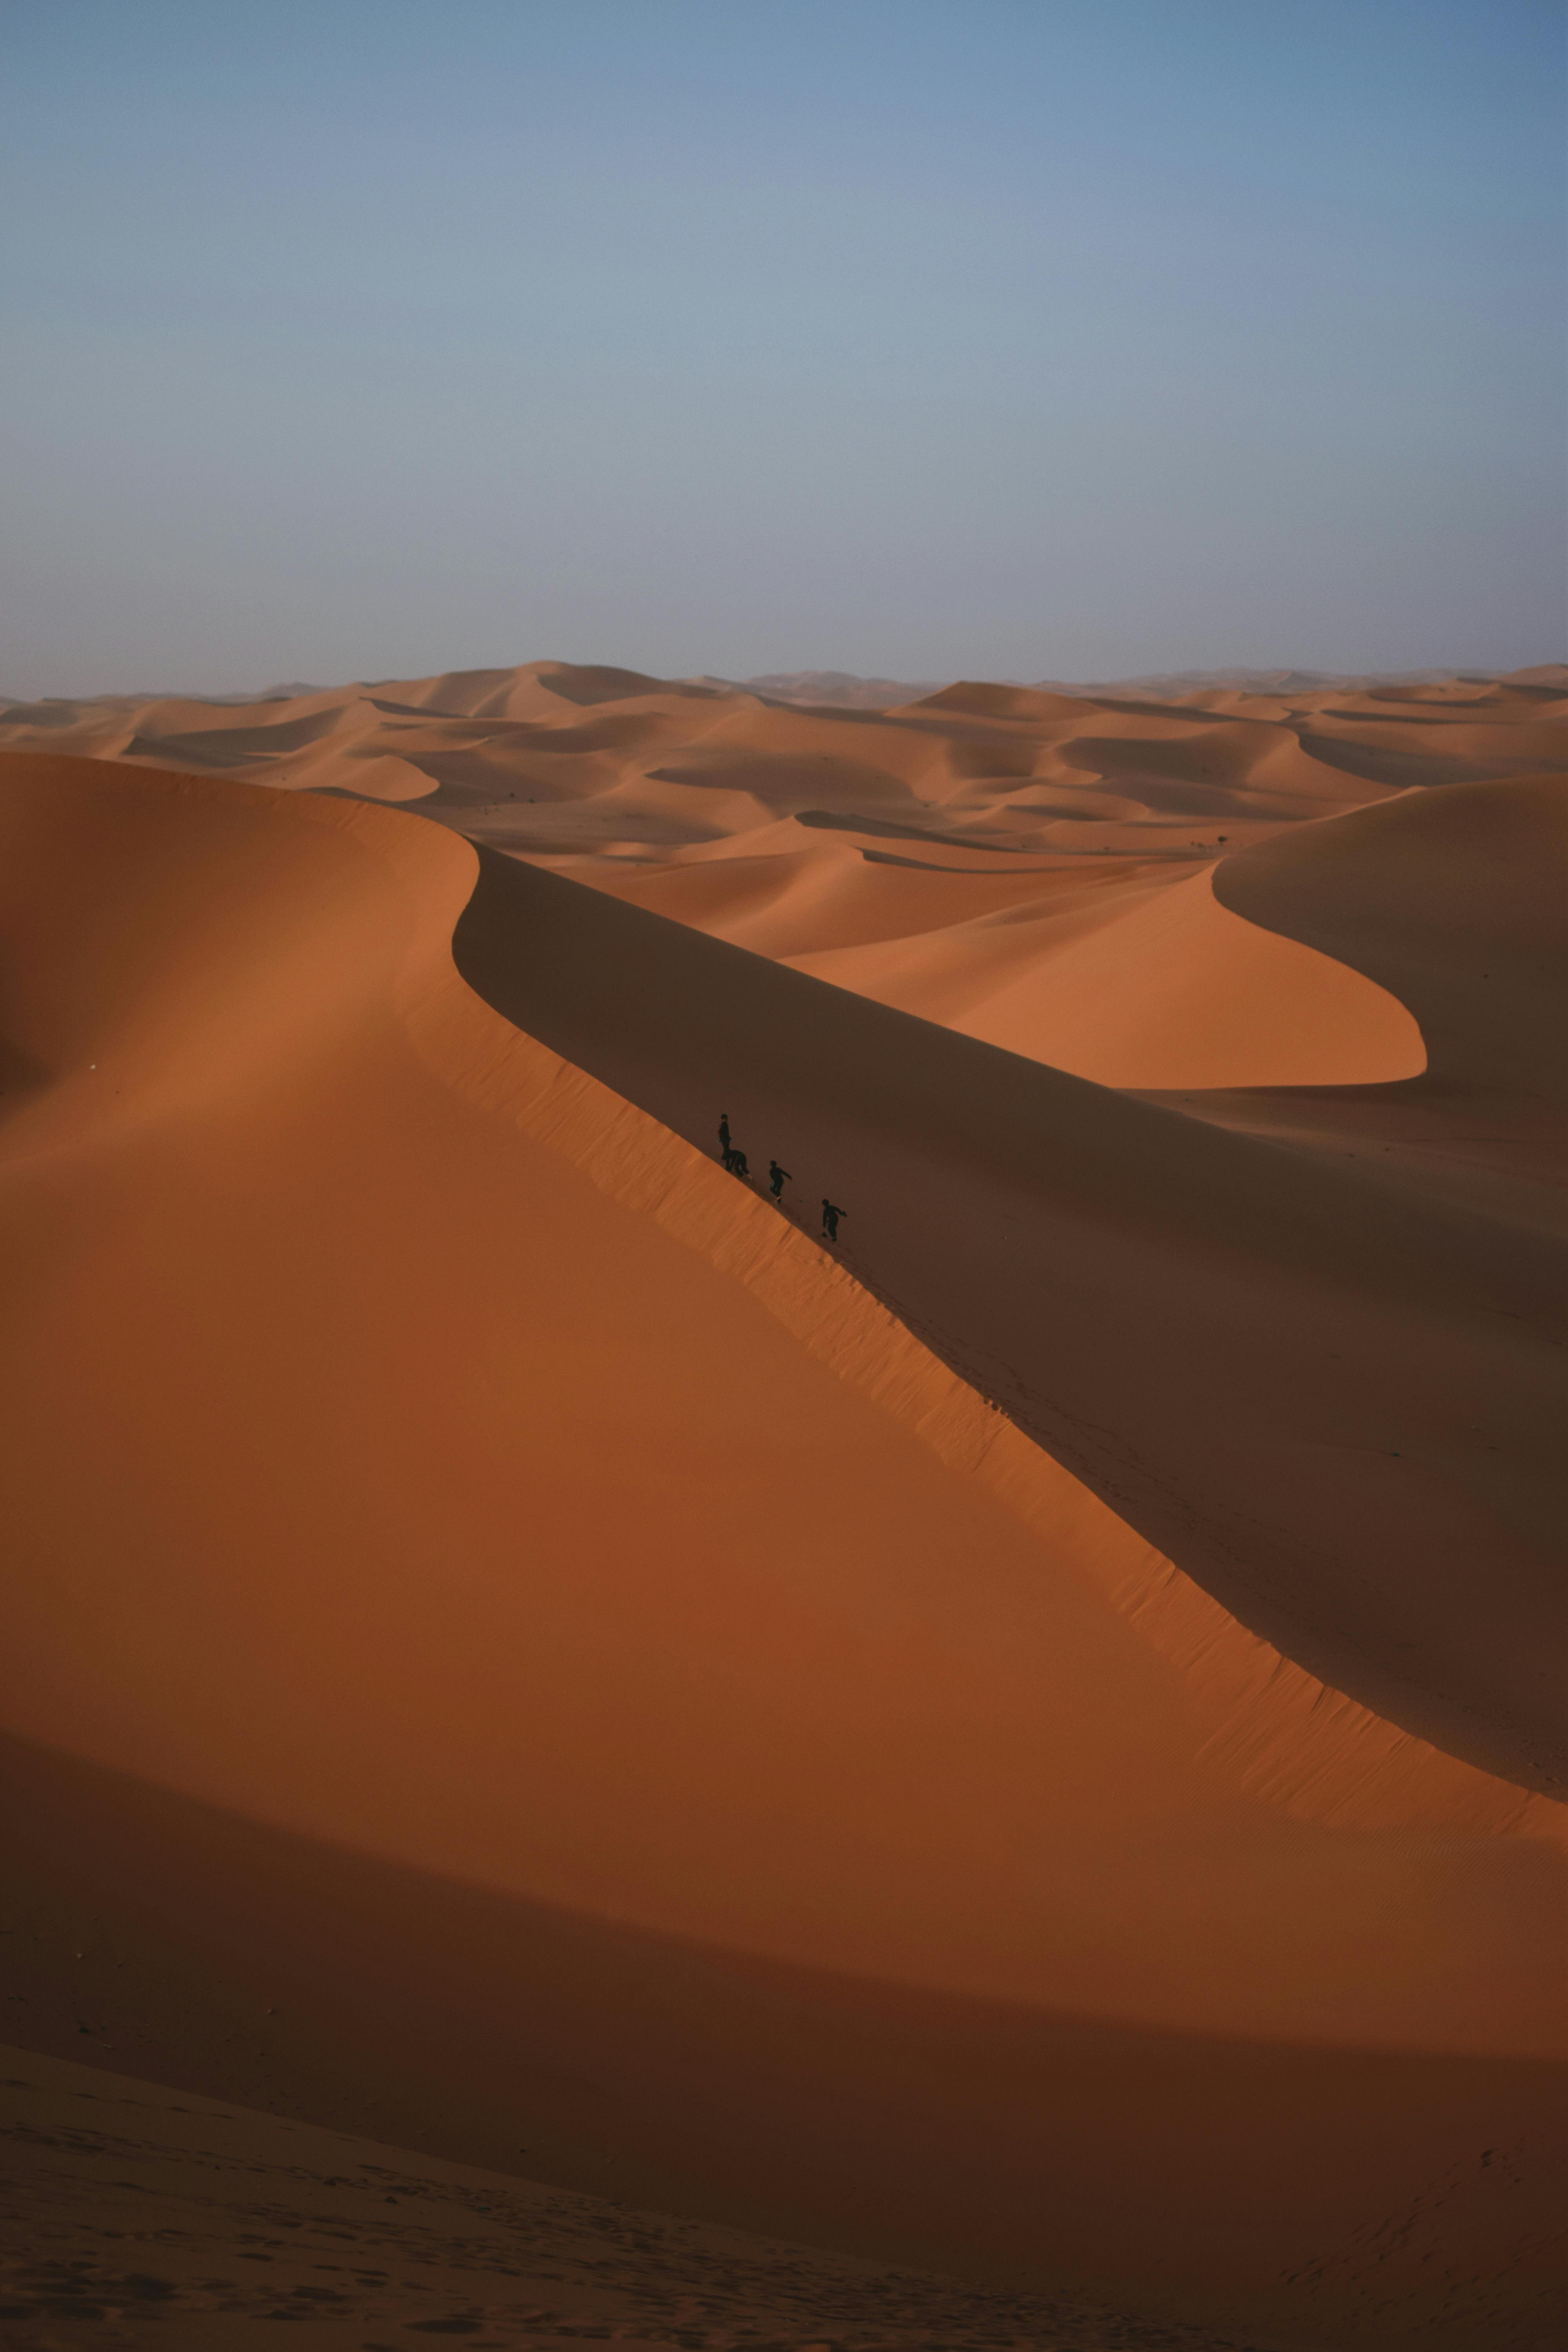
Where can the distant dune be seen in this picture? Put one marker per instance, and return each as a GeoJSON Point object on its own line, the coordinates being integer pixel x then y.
{"type": "Point", "coordinates": [837, 687]}
{"type": "Point", "coordinates": [1028, 1745]}
{"type": "Point", "coordinates": [841, 686]}
{"type": "Point", "coordinates": [1027, 865]}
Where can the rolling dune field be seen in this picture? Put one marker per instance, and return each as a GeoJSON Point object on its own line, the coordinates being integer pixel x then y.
{"type": "Point", "coordinates": [1024, 1750]}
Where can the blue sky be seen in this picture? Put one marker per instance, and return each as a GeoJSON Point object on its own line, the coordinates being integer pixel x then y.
{"type": "Point", "coordinates": [1047, 340]}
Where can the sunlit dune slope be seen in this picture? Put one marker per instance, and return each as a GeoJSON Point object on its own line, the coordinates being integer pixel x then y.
{"type": "Point", "coordinates": [1157, 988]}
{"type": "Point", "coordinates": [1129, 977]}
{"type": "Point", "coordinates": [415, 1446]}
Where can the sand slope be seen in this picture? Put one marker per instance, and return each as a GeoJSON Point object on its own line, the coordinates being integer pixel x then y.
{"type": "Point", "coordinates": [230, 2218]}
{"type": "Point", "coordinates": [417, 1447]}
{"type": "Point", "coordinates": [1301, 2196]}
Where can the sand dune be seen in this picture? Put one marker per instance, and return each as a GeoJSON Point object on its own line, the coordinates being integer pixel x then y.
{"type": "Point", "coordinates": [1453, 899]}
{"type": "Point", "coordinates": [1127, 974]}
{"type": "Point", "coordinates": [922, 1726]}
{"type": "Point", "coordinates": [841, 838]}
{"type": "Point", "coordinates": [1226, 752]}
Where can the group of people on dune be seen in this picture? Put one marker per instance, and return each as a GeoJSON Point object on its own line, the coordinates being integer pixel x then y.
{"type": "Point", "coordinates": [734, 1160]}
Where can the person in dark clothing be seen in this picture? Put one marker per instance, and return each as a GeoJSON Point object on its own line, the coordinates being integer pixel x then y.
{"type": "Point", "coordinates": [778, 1179]}
{"type": "Point", "coordinates": [724, 1137]}
{"type": "Point", "coordinates": [736, 1163]}
{"type": "Point", "coordinates": [831, 1214]}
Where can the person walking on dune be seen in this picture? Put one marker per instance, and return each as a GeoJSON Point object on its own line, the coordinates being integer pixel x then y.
{"type": "Point", "coordinates": [831, 1213]}
{"type": "Point", "coordinates": [724, 1137]}
{"type": "Point", "coordinates": [735, 1161]}
{"type": "Point", "coordinates": [778, 1179]}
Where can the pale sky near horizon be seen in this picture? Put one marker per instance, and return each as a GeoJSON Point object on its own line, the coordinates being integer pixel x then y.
{"type": "Point", "coordinates": [1020, 338]}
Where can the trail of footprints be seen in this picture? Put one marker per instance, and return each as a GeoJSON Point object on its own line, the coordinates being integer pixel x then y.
{"type": "Point", "coordinates": [108, 2238]}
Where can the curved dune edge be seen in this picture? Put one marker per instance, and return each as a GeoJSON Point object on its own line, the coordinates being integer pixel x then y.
{"type": "Point", "coordinates": [1452, 900]}
{"type": "Point", "coordinates": [1148, 981]}
{"type": "Point", "coordinates": [1288, 1738]}
{"type": "Point", "coordinates": [1165, 988]}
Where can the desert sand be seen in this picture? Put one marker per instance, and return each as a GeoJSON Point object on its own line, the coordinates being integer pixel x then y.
{"type": "Point", "coordinates": [1029, 1746]}
{"type": "Point", "coordinates": [244, 2218]}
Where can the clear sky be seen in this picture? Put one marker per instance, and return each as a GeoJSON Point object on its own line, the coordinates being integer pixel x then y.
{"type": "Point", "coordinates": [999, 337]}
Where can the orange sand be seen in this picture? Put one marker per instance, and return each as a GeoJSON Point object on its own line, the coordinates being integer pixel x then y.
{"type": "Point", "coordinates": [1084, 1717]}
{"type": "Point", "coordinates": [204, 2222]}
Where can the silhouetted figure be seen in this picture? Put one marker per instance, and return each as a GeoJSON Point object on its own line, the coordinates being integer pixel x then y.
{"type": "Point", "coordinates": [778, 1179]}
{"type": "Point", "coordinates": [831, 1214]}
{"type": "Point", "coordinates": [724, 1137]}
{"type": "Point", "coordinates": [736, 1163]}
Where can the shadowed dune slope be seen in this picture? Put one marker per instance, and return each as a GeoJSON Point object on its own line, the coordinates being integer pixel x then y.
{"type": "Point", "coordinates": [415, 1449]}
{"type": "Point", "coordinates": [1331, 1401]}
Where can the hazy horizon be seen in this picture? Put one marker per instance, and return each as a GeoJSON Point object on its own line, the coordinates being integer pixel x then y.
{"type": "Point", "coordinates": [284, 687]}
{"type": "Point", "coordinates": [1074, 342]}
